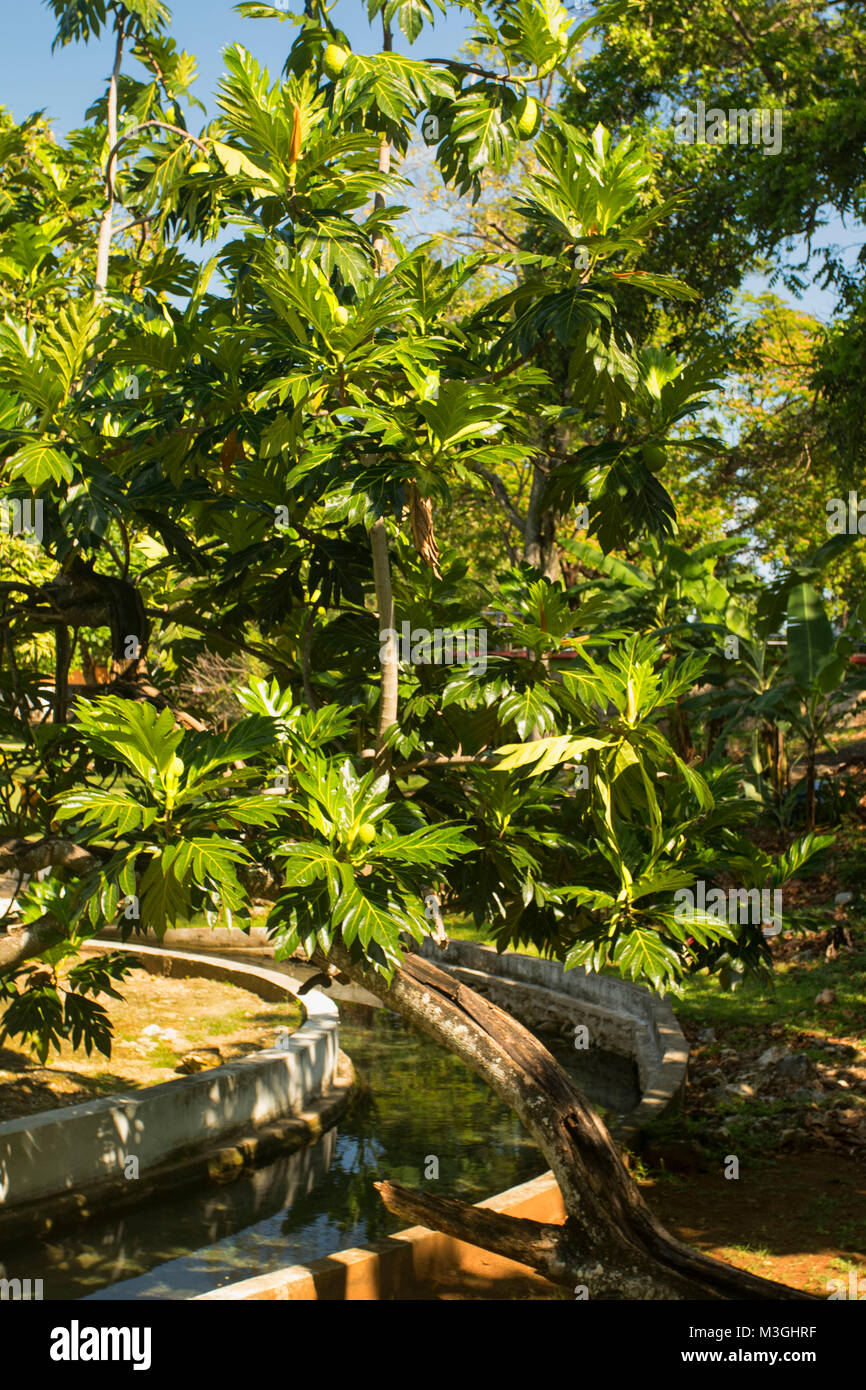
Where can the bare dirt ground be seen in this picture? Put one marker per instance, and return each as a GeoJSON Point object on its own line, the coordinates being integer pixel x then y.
{"type": "Point", "coordinates": [849, 743]}
{"type": "Point", "coordinates": [215, 1022]}
{"type": "Point", "coordinates": [801, 1221]}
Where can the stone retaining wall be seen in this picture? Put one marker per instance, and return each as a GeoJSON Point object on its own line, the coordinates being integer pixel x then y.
{"type": "Point", "coordinates": [620, 1017]}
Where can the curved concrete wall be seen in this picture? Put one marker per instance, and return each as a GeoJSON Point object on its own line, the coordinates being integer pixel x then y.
{"type": "Point", "coordinates": [81, 1147]}
{"type": "Point", "coordinates": [620, 1017]}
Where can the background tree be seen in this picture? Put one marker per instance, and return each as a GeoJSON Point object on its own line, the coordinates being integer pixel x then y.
{"type": "Point", "coordinates": [802, 59]}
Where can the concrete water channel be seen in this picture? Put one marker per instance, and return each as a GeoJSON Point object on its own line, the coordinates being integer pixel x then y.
{"type": "Point", "coordinates": [413, 1101]}
{"type": "Point", "coordinates": [416, 1112]}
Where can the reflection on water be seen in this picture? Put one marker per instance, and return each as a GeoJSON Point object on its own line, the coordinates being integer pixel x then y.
{"type": "Point", "coordinates": [413, 1101]}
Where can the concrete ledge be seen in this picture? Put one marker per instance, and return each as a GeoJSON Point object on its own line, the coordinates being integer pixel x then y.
{"type": "Point", "coordinates": [76, 1155]}
{"type": "Point", "coordinates": [189, 938]}
{"type": "Point", "coordinates": [621, 1017]}
{"type": "Point", "coordinates": [218, 1163]}
{"type": "Point", "coordinates": [391, 1268]}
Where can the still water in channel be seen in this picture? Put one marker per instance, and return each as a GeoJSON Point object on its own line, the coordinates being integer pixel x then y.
{"type": "Point", "coordinates": [413, 1100]}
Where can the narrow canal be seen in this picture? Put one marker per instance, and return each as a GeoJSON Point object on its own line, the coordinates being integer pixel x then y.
{"type": "Point", "coordinates": [414, 1103]}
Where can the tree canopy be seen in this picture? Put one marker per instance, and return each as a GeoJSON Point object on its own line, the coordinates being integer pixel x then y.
{"type": "Point", "coordinates": [258, 426]}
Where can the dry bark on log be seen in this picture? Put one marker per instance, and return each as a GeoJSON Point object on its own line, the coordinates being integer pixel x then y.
{"type": "Point", "coordinates": [610, 1242]}
{"type": "Point", "coordinates": [31, 941]}
{"type": "Point", "coordinates": [29, 856]}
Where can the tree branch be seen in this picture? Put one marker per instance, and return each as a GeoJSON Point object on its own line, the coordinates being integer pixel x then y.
{"type": "Point", "coordinates": [29, 856]}
{"type": "Point", "coordinates": [19, 946]}
{"type": "Point", "coordinates": [454, 760]}
{"type": "Point", "coordinates": [500, 492]}
{"type": "Point", "coordinates": [529, 1242]}
{"type": "Point", "coordinates": [163, 125]}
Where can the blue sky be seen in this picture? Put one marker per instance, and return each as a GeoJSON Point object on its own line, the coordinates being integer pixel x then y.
{"type": "Point", "coordinates": [66, 82]}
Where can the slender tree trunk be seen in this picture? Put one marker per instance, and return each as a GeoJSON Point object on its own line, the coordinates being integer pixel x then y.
{"type": "Point", "coordinates": [62, 660]}
{"type": "Point", "coordinates": [88, 665]}
{"type": "Point", "coordinates": [106, 225]}
{"type": "Point", "coordinates": [539, 538]}
{"type": "Point", "coordinates": [714, 733]}
{"type": "Point", "coordinates": [378, 533]}
{"type": "Point", "coordinates": [610, 1243]}
{"type": "Point", "coordinates": [681, 732]}
{"type": "Point", "coordinates": [388, 647]}
{"type": "Point", "coordinates": [811, 807]}
{"type": "Point", "coordinates": [384, 152]}
{"type": "Point", "coordinates": [306, 658]}
{"type": "Point", "coordinates": [19, 702]}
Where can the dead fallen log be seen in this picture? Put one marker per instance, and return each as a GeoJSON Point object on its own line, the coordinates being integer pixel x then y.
{"type": "Point", "coordinates": [517, 1238]}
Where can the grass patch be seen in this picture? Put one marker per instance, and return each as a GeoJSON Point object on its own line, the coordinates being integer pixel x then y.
{"type": "Point", "coordinates": [787, 1001]}
{"type": "Point", "coordinates": [291, 1017]}
{"type": "Point", "coordinates": [464, 929]}
{"type": "Point", "coordinates": [162, 1055]}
